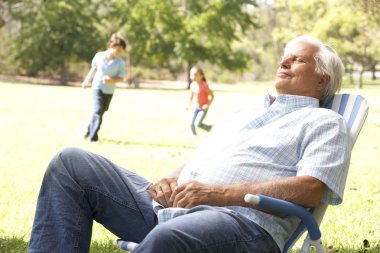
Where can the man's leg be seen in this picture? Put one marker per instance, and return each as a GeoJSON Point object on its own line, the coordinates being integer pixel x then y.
{"type": "Point", "coordinates": [79, 187]}
{"type": "Point", "coordinates": [206, 229]}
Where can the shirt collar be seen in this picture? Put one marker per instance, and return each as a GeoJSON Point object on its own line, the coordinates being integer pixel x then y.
{"type": "Point", "coordinates": [290, 101]}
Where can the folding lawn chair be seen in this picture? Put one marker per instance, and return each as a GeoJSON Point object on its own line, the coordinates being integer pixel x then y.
{"type": "Point", "coordinates": [354, 109]}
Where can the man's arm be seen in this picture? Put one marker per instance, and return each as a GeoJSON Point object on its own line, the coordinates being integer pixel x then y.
{"type": "Point", "coordinates": [303, 190]}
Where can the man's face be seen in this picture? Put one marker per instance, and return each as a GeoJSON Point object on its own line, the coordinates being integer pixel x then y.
{"type": "Point", "coordinates": [296, 74]}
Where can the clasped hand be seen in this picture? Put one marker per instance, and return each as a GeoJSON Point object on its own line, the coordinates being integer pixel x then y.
{"type": "Point", "coordinates": [169, 194]}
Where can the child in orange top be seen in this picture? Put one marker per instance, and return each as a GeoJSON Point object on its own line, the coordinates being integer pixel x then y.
{"type": "Point", "coordinates": [200, 99]}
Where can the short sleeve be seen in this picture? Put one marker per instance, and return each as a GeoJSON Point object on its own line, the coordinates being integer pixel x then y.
{"type": "Point", "coordinates": [94, 62]}
{"type": "Point", "coordinates": [122, 69]}
{"type": "Point", "coordinates": [325, 155]}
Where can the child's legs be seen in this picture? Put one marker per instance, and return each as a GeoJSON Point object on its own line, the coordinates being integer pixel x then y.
{"type": "Point", "coordinates": [193, 119]}
{"type": "Point", "coordinates": [199, 120]}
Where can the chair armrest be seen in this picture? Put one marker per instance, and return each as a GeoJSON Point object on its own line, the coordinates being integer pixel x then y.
{"type": "Point", "coordinates": [126, 245]}
{"type": "Point", "coordinates": [282, 206]}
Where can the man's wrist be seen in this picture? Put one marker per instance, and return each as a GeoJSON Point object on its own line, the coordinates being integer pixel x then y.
{"type": "Point", "coordinates": [220, 195]}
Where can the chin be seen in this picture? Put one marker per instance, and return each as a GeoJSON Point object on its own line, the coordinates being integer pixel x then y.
{"type": "Point", "coordinates": [280, 85]}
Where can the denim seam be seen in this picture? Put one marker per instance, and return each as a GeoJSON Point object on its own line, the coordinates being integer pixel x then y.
{"type": "Point", "coordinates": [79, 224]}
{"type": "Point", "coordinates": [109, 195]}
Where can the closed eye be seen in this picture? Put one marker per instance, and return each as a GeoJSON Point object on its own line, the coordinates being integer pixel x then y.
{"type": "Point", "coordinates": [293, 58]}
{"type": "Point", "coordinates": [299, 59]}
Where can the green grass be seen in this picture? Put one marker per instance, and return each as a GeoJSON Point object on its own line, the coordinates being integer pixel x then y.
{"type": "Point", "coordinates": [147, 131]}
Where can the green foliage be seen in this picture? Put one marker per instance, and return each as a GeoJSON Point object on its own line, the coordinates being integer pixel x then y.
{"type": "Point", "coordinates": [55, 33]}
{"type": "Point", "coordinates": [175, 34]}
{"type": "Point", "coordinates": [161, 33]}
{"type": "Point", "coordinates": [353, 35]}
{"type": "Point", "coordinates": [296, 17]}
{"type": "Point", "coordinates": [188, 32]}
{"type": "Point", "coordinates": [337, 22]}
{"type": "Point", "coordinates": [371, 7]}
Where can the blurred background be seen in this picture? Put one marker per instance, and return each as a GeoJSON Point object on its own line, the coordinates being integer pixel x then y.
{"type": "Point", "coordinates": [50, 44]}
{"type": "Point", "coordinates": [237, 41]}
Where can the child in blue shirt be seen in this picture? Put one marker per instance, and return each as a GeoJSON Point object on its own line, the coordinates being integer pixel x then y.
{"type": "Point", "coordinates": [107, 69]}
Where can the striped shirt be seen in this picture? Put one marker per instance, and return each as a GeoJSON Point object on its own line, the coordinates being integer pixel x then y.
{"type": "Point", "coordinates": [289, 136]}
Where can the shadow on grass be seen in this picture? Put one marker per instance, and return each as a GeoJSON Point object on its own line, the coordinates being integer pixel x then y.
{"type": "Point", "coordinates": [165, 145]}
{"type": "Point", "coordinates": [375, 249]}
{"type": "Point", "coordinates": [19, 245]}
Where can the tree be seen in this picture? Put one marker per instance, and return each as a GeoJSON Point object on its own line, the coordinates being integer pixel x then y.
{"type": "Point", "coordinates": [353, 35]}
{"type": "Point", "coordinates": [372, 7]}
{"type": "Point", "coordinates": [296, 17]}
{"type": "Point", "coordinates": [339, 23]}
{"type": "Point", "coordinates": [56, 33]}
{"type": "Point", "coordinates": [165, 32]}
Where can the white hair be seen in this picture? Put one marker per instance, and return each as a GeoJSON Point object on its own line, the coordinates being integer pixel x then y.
{"type": "Point", "coordinates": [328, 63]}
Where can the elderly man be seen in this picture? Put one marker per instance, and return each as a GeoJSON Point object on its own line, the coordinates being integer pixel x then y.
{"type": "Point", "coordinates": [290, 149]}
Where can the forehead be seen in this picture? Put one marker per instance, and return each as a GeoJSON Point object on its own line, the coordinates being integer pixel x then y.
{"type": "Point", "coordinates": [118, 47]}
{"type": "Point", "coordinates": [193, 71]}
{"type": "Point", "coordinates": [301, 48]}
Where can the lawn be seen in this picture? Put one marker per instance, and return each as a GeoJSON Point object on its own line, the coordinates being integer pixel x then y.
{"type": "Point", "coordinates": [146, 130]}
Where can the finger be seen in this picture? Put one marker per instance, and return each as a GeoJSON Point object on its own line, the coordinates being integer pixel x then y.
{"type": "Point", "coordinates": [178, 189]}
{"type": "Point", "coordinates": [183, 200]}
{"type": "Point", "coordinates": [160, 198]}
{"type": "Point", "coordinates": [157, 194]}
{"type": "Point", "coordinates": [152, 192]}
{"type": "Point", "coordinates": [179, 199]}
{"type": "Point", "coordinates": [173, 186]}
{"type": "Point", "coordinates": [167, 192]}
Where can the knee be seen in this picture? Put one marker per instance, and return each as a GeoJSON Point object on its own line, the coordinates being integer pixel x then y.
{"type": "Point", "coordinates": [163, 239]}
{"type": "Point", "coordinates": [70, 153]}
{"type": "Point", "coordinates": [64, 157]}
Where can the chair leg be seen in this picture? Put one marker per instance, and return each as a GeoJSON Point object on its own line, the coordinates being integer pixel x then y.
{"type": "Point", "coordinates": [306, 245]}
{"type": "Point", "coordinates": [318, 246]}
{"type": "Point", "coordinates": [310, 243]}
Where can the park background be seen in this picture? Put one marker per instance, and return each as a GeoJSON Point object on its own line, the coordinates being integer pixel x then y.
{"type": "Point", "coordinates": [45, 50]}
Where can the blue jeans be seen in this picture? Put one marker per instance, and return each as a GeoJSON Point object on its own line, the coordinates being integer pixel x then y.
{"type": "Point", "coordinates": [197, 120]}
{"type": "Point", "coordinates": [79, 187]}
{"type": "Point", "coordinates": [101, 104]}
{"type": "Point", "coordinates": [206, 229]}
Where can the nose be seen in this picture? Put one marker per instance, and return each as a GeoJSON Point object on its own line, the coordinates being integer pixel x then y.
{"type": "Point", "coordinates": [285, 63]}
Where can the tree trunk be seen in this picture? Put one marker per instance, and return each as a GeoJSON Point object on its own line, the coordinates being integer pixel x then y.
{"type": "Point", "coordinates": [351, 74]}
{"type": "Point", "coordinates": [188, 75]}
{"type": "Point", "coordinates": [63, 73]}
{"type": "Point", "coordinates": [360, 80]}
{"type": "Point", "coordinates": [373, 69]}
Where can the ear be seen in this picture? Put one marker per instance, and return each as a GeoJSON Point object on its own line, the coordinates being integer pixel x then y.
{"type": "Point", "coordinates": [323, 82]}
